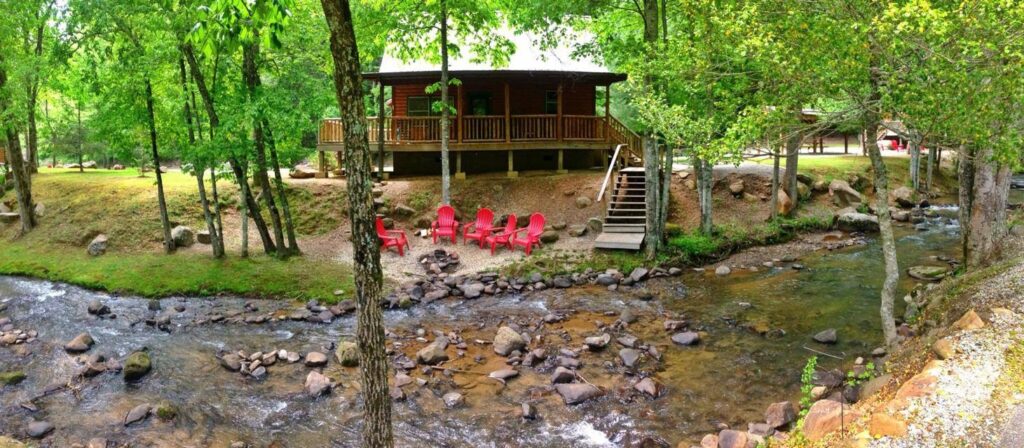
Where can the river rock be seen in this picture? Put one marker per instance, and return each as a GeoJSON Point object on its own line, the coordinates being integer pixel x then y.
{"type": "Point", "coordinates": [595, 225]}
{"type": "Point", "coordinates": [577, 230]}
{"type": "Point", "coordinates": [507, 341]}
{"type": "Point", "coordinates": [576, 393]}
{"type": "Point", "coordinates": [503, 374]}
{"type": "Point", "coordinates": [928, 273]}
{"type": "Point", "coordinates": [686, 338]}
{"type": "Point", "coordinates": [843, 195]}
{"type": "Point", "coordinates": [183, 236]}
{"type": "Point", "coordinates": [203, 237]}
{"type": "Point", "coordinates": [736, 188]}
{"type": "Point", "coordinates": [826, 416]}
{"type": "Point", "coordinates": [857, 222]}
{"type": "Point", "coordinates": [316, 359]}
{"type": "Point", "coordinates": [723, 270]}
{"type": "Point", "coordinates": [529, 411]}
{"type": "Point", "coordinates": [549, 236]}
{"type": "Point", "coordinates": [562, 282]}
{"type": "Point", "coordinates": [39, 429]}
{"type": "Point", "coordinates": [583, 202]}
{"type": "Point", "coordinates": [403, 211]}
{"type": "Point", "coordinates": [137, 414]}
{"type": "Point", "coordinates": [347, 354]}
{"type": "Point", "coordinates": [472, 290]}
{"type": "Point", "coordinates": [629, 357]}
{"type": "Point", "coordinates": [562, 375]}
{"type": "Point", "coordinates": [826, 336]}
{"type": "Point", "coordinates": [11, 378]}
{"type": "Point", "coordinates": [98, 246]}
{"type": "Point", "coordinates": [81, 343]}
{"type": "Point", "coordinates": [434, 352]}
{"type": "Point", "coordinates": [595, 343]}
{"type": "Point", "coordinates": [231, 362]}
{"type": "Point", "coordinates": [648, 386]}
{"type": "Point", "coordinates": [136, 366]}
{"type": "Point", "coordinates": [453, 400]}
{"type": "Point", "coordinates": [259, 372]}
{"type": "Point", "coordinates": [780, 414]}
{"type": "Point", "coordinates": [903, 196]}
{"type": "Point", "coordinates": [943, 348]}
{"type": "Point", "coordinates": [97, 308]}
{"type": "Point", "coordinates": [969, 321]}
{"type": "Point", "coordinates": [730, 438]}
{"type": "Point", "coordinates": [785, 205]}
{"type": "Point", "coordinates": [317, 384]}
{"type": "Point", "coordinates": [97, 442]}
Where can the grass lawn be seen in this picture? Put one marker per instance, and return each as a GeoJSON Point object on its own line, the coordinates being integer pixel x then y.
{"type": "Point", "coordinates": [829, 167]}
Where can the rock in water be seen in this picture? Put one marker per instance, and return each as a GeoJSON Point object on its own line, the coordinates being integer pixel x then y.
{"type": "Point", "coordinates": [98, 246]}
{"type": "Point", "coordinates": [529, 411]}
{"type": "Point", "coordinates": [503, 374]}
{"type": "Point", "coordinates": [79, 344]}
{"type": "Point", "coordinates": [38, 430]}
{"type": "Point", "coordinates": [98, 308]}
{"type": "Point", "coordinates": [629, 357]}
{"type": "Point", "coordinates": [316, 359]}
{"type": "Point", "coordinates": [780, 414]}
{"type": "Point", "coordinates": [828, 336]}
{"type": "Point", "coordinates": [434, 352]}
{"type": "Point", "coordinates": [730, 438]}
{"type": "Point", "coordinates": [903, 196]}
{"type": "Point", "coordinates": [136, 366]}
{"type": "Point", "coordinates": [595, 343]}
{"type": "Point", "coordinates": [183, 236]}
{"type": "Point", "coordinates": [347, 354]}
{"type": "Point", "coordinates": [137, 414]}
{"type": "Point", "coordinates": [858, 222]}
{"type": "Point", "coordinates": [231, 362]}
{"type": "Point", "coordinates": [562, 375]}
{"type": "Point", "coordinates": [508, 341]}
{"type": "Point", "coordinates": [576, 393]}
{"type": "Point", "coordinates": [826, 416]}
{"type": "Point", "coordinates": [453, 400]}
{"type": "Point", "coordinates": [928, 273]}
{"type": "Point", "coordinates": [686, 338]}
{"type": "Point", "coordinates": [317, 384]}
{"type": "Point", "coordinates": [648, 386]}
{"type": "Point", "coordinates": [723, 270]}
{"type": "Point", "coordinates": [11, 378]}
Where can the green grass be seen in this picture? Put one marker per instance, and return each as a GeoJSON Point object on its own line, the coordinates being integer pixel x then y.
{"type": "Point", "coordinates": [159, 275]}
{"type": "Point", "coordinates": [697, 248]}
{"type": "Point", "coordinates": [829, 167]}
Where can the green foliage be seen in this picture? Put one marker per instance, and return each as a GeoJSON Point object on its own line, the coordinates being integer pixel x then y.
{"type": "Point", "coordinates": [806, 385]}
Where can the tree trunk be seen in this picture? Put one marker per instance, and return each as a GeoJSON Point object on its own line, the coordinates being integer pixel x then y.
{"type": "Point", "coordinates": [652, 239]}
{"type": "Point", "coordinates": [373, 363]}
{"type": "Point", "coordinates": [666, 184]}
{"type": "Point", "coordinates": [705, 182]}
{"type": "Point", "coordinates": [931, 166]}
{"type": "Point", "coordinates": [446, 194]}
{"type": "Point", "coordinates": [792, 165]}
{"type": "Point", "coordinates": [915, 164]}
{"type": "Point", "coordinates": [250, 72]}
{"type": "Point", "coordinates": [22, 180]}
{"type": "Point", "coordinates": [775, 181]}
{"type": "Point", "coordinates": [164, 220]}
{"type": "Point", "coordinates": [81, 138]}
{"type": "Point", "coordinates": [216, 207]}
{"type": "Point", "coordinates": [892, 269]}
{"type": "Point", "coordinates": [984, 190]}
{"type": "Point", "coordinates": [200, 170]}
{"type": "Point", "coordinates": [251, 208]}
{"type": "Point", "coordinates": [293, 245]}
{"type": "Point", "coordinates": [32, 164]}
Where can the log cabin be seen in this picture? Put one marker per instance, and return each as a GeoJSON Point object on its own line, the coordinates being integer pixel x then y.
{"type": "Point", "coordinates": [544, 110]}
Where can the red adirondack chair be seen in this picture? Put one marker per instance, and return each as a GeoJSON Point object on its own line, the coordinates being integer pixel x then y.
{"type": "Point", "coordinates": [532, 233]}
{"type": "Point", "coordinates": [446, 225]}
{"type": "Point", "coordinates": [503, 237]}
{"type": "Point", "coordinates": [481, 228]}
{"type": "Point", "coordinates": [391, 238]}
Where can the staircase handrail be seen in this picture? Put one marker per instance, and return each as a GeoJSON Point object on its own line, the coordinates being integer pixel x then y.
{"type": "Point", "coordinates": [611, 167]}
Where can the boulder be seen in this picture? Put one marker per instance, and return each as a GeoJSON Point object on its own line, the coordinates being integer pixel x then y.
{"type": "Point", "coordinates": [183, 236]}
{"type": "Point", "coordinates": [858, 222]}
{"type": "Point", "coordinates": [639, 274]}
{"type": "Point", "coordinates": [203, 237]}
{"type": "Point", "coordinates": [595, 224]}
{"type": "Point", "coordinates": [785, 205]}
{"type": "Point", "coordinates": [826, 336]}
{"type": "Point", "coordinates": [843, 195]}
{"type": "Point", "coordinates": [901, 216]}
{"type": "Point", "coordinates": [302, 172]}
{"type": "Point", "coordinates": [98, 246]}
{"type": "Point", "coordinates": [577, 230]}
{"type": "Point", "coordinates": [97, 308]}
{"type": "Point", "coordinates": [803, 191]}
{"type": "Point", "coordinates": [903, 196]}
{"type": "Point", "coordinates": [562, 282]}
{"type": "Point", "coordinates": [629, 357]}
{"type": "Point", "coordinates": [730, 438]}
{"type": "Point", "coordinates": [779, 415]}
{"type": "Point", "coordinates": [9, 217]}
{"type": "Point", "coordinates": [137, 414]}
{"type": "Point", "coordinates": [317, 384]}
{"type": "Point", "coordinates": [575, 393]}
{"type": "Point", "coordinates": [583, 202]}
{"type": "Point", "coordinates": [453, 400]}
{"type": "Point", "coordinates": [136, 366]}
{"type": "Point", "coordinates": [969, 321]}
{"type": "Point", "coordinates": [562, 375]}
{"type": "Point", "coordinates": [826, 416]}
{"type": "Point", "coordinates": [595, 343]}
{"type": "Point", "coordinates": [347, 354]}
{"type": "Point", "coordinates": [40, 210]}
{"type": "Point", "coordinates": [508, 341]}
{"type": "Point", "coordinates": [81, 343]}
{"type": "Point", "coordinates": [723, 270]}
{"type": "Point", "coordinates": [39, 429]}
{"type": "Point", "coordinates": [403, 211]}
{"type": "Point", "coordinates": [433, 353]}
{"type": "Point", "coordinates": [231, 361]}
{"type": "Point", "coordinates": [943, 348]}
{"type": "Point", "coordinates": [686, 338]}
{"type": "Point", "coordinates": [472, 290]}
{"type": "Point", "coordinates": [315, 359]}
{"type": "Point", "coordinates": [736, 188]}
{"type": "Point", "coordinates": [928, 273]}
{"type": "Point", "coordinates": [503, 374]}
{"type": "Point", "coordinates": [117, 167]}
{"type": "Point", "coordinates": [649, 387]}
{"type": "Point", "coordinates": [884, 425]}
{"type": "Point", "coordinates": [549, 236]}
{"type": "Point", "coordinates": [90, 165]}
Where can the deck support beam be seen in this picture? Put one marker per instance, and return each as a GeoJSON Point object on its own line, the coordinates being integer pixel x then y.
{"type": "Point", "coordinates": [321, 158]}
{"type": "Point", "coordinates": [459, 174]}
{"type": "Point", "coordinates": [508, 123]}
{"type": "Point", "coordinates": [561, 162]}
{"type": "Point", "coordinates": [511, 169]}
{"type": "Point", "coordinates": [607, 112]}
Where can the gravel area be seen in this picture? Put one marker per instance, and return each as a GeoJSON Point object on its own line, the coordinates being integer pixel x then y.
{"type": "Point", "coordinates": [967, 408]}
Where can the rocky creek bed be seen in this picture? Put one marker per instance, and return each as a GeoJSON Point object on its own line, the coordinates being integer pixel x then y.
{"type": "Point", "coordinates": [659, 362]}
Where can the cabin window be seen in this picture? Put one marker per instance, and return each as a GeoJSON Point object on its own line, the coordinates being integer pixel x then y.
{"type": "Point", "coordinates": [551, 102]}
{"type": "Point", "coordinates": [479, 103]}
{"type": "Point", "coordinates": [423, 106]}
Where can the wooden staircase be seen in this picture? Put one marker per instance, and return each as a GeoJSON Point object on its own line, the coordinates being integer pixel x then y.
{"type": "Point", "coordinates": [626, 221]}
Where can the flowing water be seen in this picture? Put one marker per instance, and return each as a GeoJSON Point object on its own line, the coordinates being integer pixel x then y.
{"type": "Point", "coordinates": [743, 364]}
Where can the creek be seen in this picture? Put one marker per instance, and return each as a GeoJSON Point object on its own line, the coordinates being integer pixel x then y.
{"type": "Point", "coordinates": [755, 328]}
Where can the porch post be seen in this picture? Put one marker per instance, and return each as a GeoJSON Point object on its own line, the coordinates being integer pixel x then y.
{"type": "Point", "coordinates": [607, 112]}
{"type": "Point", "coordinates": [846, 143]}
{"type": "Point", "coordinates": [561, 164]}
{"type": "Point", "coordinates": [508, 125]}
{"type": "Point", "coordinates": [322, 162]}
{"type": "Point", "coordinates": [511, 169]}
{"type": "Point", "coordinates": [380, 132]}
{"type": "Point", "coordinates": [458, 166]}
{"type": "Point", "coordinates": [458, 115]}
{"type": "Point", "coordinates": [558, 128]}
